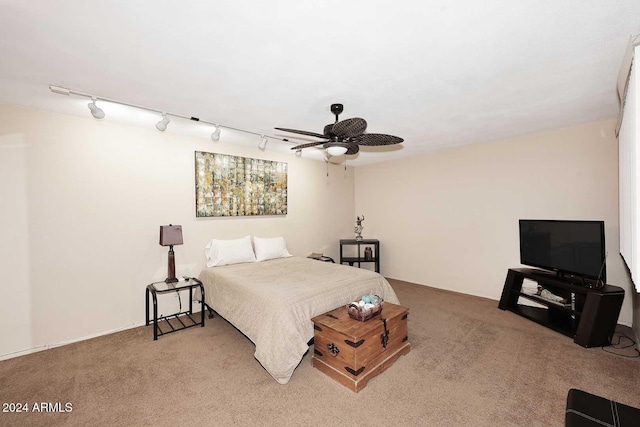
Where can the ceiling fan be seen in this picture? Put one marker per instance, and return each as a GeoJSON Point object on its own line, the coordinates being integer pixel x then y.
{"type": "Point", "coordinates": [345, 136]}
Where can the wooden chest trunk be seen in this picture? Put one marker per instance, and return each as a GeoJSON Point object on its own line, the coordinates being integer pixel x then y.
{"type": "Point", "coordinates": [352, 352]}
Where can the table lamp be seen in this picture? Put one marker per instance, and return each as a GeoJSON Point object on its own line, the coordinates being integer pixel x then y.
{"type": "Point", "coordinates": [171, 235]}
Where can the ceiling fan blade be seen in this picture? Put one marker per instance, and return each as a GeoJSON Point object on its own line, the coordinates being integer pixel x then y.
{"type": "Point", "coordinates": [353, 149]}
{"type": "Point", "coordinates": [378, 139]}
{"type": "Point", "coordinates": [349, 128]}
{"type": "Point", "coordinates": [310, 144]}
{"type": "Point", "coordinates": [304, 132]}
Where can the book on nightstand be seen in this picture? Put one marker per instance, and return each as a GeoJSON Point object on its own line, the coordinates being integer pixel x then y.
{"type": "Point", "coordinates": [320, 257]}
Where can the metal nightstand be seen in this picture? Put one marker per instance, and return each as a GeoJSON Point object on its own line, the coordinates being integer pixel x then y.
{"type": "Point", "coordinates": [177, 321]}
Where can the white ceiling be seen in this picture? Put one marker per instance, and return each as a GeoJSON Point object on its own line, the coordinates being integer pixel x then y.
{"type": "Point", "coordinates": [438, 73]}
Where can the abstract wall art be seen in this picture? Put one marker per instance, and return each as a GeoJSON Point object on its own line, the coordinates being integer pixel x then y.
{"type": "Point", "coordinates": [239, 186]}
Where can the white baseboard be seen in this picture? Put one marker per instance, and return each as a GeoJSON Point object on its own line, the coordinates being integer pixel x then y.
{"type": "Point", "coordinates": [60, 344]}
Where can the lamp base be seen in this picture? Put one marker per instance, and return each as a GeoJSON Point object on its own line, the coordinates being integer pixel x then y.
{"type": "Point", "coordinates": [171, 267]}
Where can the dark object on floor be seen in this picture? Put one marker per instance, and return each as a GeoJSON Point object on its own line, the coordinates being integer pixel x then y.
{"type": "Point", "coordinates": [586, 410]}
{"type": "Point", "coordinates": [590, 320]}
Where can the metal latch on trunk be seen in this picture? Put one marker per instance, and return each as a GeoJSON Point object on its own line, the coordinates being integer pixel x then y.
{"type": "Point", "coordinates": [385, 336]}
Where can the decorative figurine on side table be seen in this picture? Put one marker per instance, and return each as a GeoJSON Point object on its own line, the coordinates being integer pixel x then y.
{"type": "Point", "coordinates": [359, 228]}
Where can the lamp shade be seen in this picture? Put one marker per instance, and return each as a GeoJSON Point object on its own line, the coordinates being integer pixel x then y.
{"type": "Point", "coordinates": [170, 235]}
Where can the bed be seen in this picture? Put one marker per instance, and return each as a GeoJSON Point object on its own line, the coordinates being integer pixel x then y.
{"type": "Point", "coordinates": [272, 302]}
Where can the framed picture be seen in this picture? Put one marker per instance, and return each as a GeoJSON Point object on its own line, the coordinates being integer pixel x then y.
{"type": "Point", "coordinates": [239, 186]}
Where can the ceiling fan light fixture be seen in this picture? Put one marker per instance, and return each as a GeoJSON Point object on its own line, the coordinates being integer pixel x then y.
{"type": "Point", "coordinates": [337, 150]}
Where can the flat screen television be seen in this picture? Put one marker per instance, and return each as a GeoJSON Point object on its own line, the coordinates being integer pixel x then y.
{"type": "Point", "coordinates": [566, 247]}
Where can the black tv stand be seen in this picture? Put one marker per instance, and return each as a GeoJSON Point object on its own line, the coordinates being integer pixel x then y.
{"type": "Point", "coordinates": [574, 280]}
{"type": "Point", "coordinates": [547, 273]}
{"type": "Point", "coordinates": [591, 317]}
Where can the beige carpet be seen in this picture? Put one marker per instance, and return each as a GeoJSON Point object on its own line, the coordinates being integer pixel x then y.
{"type": "Point", "coordinates": [471, 364]}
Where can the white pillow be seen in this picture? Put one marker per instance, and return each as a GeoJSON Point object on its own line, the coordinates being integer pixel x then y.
{"type": "Point", "coordinates": [270, 248]}
{"type": "Point", "coordinates": [225, 252]}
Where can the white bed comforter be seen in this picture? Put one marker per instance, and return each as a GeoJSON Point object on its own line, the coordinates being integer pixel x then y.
{"type": "Point", "coordinates": [272, 302]}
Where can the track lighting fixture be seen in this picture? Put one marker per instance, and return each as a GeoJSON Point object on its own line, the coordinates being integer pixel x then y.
{"type": "Point", "coordinates": [95, 110]}
{"type": "Point", "coordinates": [162, 124]}
{"type": "Point", "coordinates": [98, 113]}
{"type": "Point", "coordinates": [60, 90]}
{"type": "Point", "coordinates": [263, 143]}
{"type": "Point", "coordinates": [215, 136]}
{"type": "Point", "coordinates": [299, 153]}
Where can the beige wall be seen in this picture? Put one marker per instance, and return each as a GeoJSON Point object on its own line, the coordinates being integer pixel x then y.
{"type": "Point", "coordinates": [82, 201]}
{"type": "Point", "coordinates": [450, 219]}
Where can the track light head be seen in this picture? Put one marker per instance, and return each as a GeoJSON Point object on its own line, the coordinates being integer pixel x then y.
{"type": "Point", "coordinates": [263, 143]}
{"type": "Point", "coordinates": [162, 124]}
{"type": "Point", "coordinates": [95, 110]}
{"type": "Point", "coordinates": [215, 136]}
{"type": "Point", "coordinates": [298, 153]}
